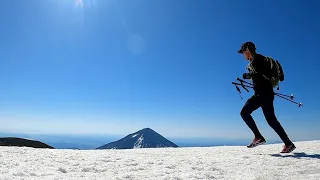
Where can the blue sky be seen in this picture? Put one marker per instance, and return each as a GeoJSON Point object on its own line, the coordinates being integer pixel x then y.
{"type": "Point", "coordinates": [117, 66]}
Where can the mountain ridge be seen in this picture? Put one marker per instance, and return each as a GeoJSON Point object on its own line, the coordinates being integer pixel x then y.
{"type": "Point", "coordinates": [21, 142]}
{"type": "Point", "coordinates": [144, 138]}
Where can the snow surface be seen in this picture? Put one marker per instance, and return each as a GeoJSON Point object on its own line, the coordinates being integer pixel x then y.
{"type": "Point", "coordinates": [226, 162]}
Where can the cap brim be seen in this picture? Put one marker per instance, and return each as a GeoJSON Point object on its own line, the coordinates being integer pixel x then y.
{"type": "Point", "coordinates": [240, 51]}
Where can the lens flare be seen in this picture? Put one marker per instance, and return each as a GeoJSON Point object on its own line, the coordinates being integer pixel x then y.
{"type": "Point", "coordinates": [79, 3]}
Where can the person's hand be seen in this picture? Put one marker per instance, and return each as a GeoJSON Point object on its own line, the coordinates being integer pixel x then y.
{"type": "Point", "coordinates": [246, 76]}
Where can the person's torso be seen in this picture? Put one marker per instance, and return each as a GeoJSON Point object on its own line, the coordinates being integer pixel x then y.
{"type": "Point", "coordinates": [261, 84]}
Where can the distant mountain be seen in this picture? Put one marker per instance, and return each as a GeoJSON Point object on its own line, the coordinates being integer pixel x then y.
{"type": "Point", "coordinates": [67, 141]}
{"type": "Point", "coordinates": [13, 141]}
{"type": "Point", "coordinates": [78, 146]}
{"type": "Point", "coordinates": [145, 138]}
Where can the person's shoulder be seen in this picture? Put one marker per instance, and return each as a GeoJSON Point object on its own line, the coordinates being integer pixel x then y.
{"type": "Point", "coordinates": [259, 61]}
{"type": "Point", "coordinates": [259, 56]}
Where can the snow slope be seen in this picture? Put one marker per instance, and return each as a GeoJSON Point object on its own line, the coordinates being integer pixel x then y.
{"type": "Point", "coordinates": [225, 162]}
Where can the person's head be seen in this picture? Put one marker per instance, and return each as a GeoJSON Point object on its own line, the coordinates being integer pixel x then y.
{"type": "Point", "coordinates": [248, 49]}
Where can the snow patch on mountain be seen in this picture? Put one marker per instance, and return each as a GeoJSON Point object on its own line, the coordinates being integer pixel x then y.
{"type": "Point", "coordinates": [138, 143]}
{"type": "Point", "coordinates": [133, 136]}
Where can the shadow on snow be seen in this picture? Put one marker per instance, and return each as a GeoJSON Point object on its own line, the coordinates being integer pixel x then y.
{"type": "Point", "coordinates": [298, 155]}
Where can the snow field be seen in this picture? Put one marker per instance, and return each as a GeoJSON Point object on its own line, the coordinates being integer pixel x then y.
{"type": "Point", "coordinates": [225, 162]}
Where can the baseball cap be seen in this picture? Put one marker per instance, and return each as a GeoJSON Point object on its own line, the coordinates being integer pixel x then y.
{"type": "Point", "coordinates": [250, 45]}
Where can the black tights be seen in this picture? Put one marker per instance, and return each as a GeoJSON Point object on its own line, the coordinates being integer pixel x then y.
{"type": "Point", "coordinates": [266, 103]}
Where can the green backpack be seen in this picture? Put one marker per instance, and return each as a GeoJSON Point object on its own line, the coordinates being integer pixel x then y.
{"type": "Point", "coordinates": [276, 72]}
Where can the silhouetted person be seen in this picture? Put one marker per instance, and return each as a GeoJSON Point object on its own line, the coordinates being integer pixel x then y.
{"type": "Point", "coordinates": [259, 69]}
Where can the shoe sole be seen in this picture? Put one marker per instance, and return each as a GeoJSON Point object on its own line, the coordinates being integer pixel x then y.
{"type": "Point", "coordinates": [257, 144]}
{"type": "Point", "coordinates": [289, 151]}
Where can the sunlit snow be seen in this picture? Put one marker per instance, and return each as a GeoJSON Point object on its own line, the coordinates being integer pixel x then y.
{"type": "Point", "coordinates": [225, 162]}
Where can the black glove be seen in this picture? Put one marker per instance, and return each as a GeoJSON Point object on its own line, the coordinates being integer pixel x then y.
{"type": "Point", "coordinates": [246, 76]}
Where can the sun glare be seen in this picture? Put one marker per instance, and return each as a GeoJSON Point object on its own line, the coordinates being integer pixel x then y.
{"type": "Point", "coordinates": [83, 3]}
{"type": "Point", "coordinates": [79, 3]}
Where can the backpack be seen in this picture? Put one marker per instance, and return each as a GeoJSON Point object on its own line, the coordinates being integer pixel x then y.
{"type": "Point", "coordinates": [276, 72]}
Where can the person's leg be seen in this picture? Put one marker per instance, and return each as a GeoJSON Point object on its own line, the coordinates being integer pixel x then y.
{"type": "Point", "coordinates": [268, 111]}
{"type": "Point", "coordinates": [251, 105]}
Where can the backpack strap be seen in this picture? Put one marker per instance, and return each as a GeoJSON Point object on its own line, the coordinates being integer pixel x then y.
{"type": "Point", "coordinates": [250, 68]}
{"type": "Point", "coordinates": [271, 62]}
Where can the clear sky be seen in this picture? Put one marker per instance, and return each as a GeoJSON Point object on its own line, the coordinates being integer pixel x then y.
{"type": "Point", "coordinates": [117, 66]}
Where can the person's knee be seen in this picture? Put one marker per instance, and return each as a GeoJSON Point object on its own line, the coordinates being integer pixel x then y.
{"type": "Point", "coordinates": [244, 113]}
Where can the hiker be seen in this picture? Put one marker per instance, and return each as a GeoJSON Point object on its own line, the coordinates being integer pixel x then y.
{"type": "Point", "coordinates": [259, 71]}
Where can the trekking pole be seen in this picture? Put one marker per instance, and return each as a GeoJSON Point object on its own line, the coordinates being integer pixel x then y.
{"type": "Point", "coordinates": [243, 81]}
{"type": "Point", "coordinates": [291, 96]}
{"type": "Point", "coordinates": [299, 104]}
{"type": "Point", "coordinates": [250, 85]}
{"type": "Point", "coordinates": [243, 86]}
{"type": "Point", "coordinates": [288, 96]}
{"type": "Point", "coordinates": [239, 84]}
{"type": "Point", "coordinates": [238, 91]}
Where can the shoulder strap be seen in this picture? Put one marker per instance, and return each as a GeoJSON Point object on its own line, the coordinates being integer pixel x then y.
{"type": "Point", "coordinates": [270, 60]}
